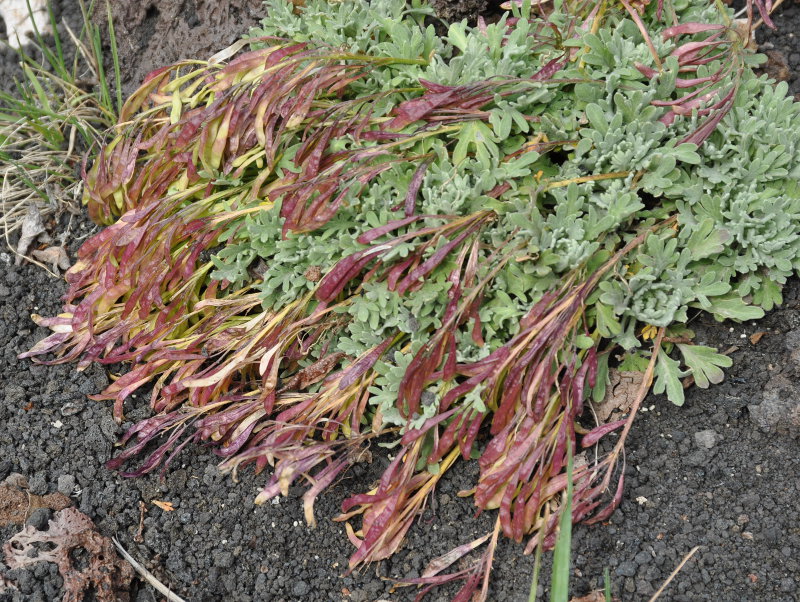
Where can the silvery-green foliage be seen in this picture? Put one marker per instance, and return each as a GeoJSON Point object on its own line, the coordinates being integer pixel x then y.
{"type": "Point", "coordinates": [736, 197]}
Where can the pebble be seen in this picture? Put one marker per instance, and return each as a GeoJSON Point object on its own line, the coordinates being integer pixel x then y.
{"type": "Point", "coordinates": [39, 519]}
{"type": "Point", "coordinates": [779, 410]}
{"type": "Point", "coordinates": [223, 559]}
{"type": "Point", "coordinates": [5, 468]}
{"type": "Point", "coordinates": [300, 588]}
{"type": "Point", "coordinates": [37, 484]}
{"type": "Point", "coordinates": [70, 408]}
{"type": "Point", "coordinates": [66, 484]}
{"type": "Point", "coordinates": [627, 569]}
{"type": "Point", "coordinates": [706, 439]}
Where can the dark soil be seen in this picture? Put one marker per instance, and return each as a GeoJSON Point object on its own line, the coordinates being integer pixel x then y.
{"type": "Point", "coordinates": [783, 45]}
{"type": "Point", "coordinates": [152, 33]}
{"type": "Point", "coordinates": [720, 473]}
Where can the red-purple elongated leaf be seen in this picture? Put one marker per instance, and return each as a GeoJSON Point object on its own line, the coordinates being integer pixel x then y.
{"type": "Point", "coordinates": [689, 28]}
{"type": "Point", "coordinates": [435, 259]}
{"type": "Point", "coordinates": [440, 563]}
{"type": "Point", "coordinates": [613, 505]}
{"type": "Point", "coordinates": [358, 368]}
{"type": "Point", "coordinates": [345, 270]}
{"type": "Point", "coordinates": [648, 72]}
{"type": "Point", "coordinates": [375, 233]}
{"type": "Point", "coordinates": [550, 68]}
{"type": "Point", "coordinates": [599, 432]}
{"type": "Point", "coordinates": [414, 186]}
{"type": "Point", "coordinates": [412, 435]}
{"type": "Point", "coordinates": [417, 108]}
{"type": "Point", "coordinates": [764, 10]}
{"type": "Point", "coordinates": [705, 130]}
{"type": "Point", "coordinates": [323, 479]}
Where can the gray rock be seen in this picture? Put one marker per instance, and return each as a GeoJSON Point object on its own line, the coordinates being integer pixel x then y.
{"type": "Point", "coordinates": [37, 484]}
{"type": "Point", "coordinates": [14, 394]}
{"type": "Point", "coordinates": [626, 569]}
{"type": "Point", "coordinates": [66, 484]}
{"type": "Point", "coordinates": [300, 588]}
{"type": "Point", "coordinates": [791, 342]}
{"type": "Point", "coordinates": [779, 410]}
{"type": "Point", "coordinates": [39, 519]}
{"type": "Point", "coordinates": [223, 559]}
{"type": "Point", "coordinates": [706, 439]}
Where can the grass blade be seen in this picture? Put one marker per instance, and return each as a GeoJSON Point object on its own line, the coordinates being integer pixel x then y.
{"type": "Point", "coordinates": [112, 36]}
{"type": "Point", "coordinates": [562, 553]}
{"type": "Point", "coordinates": [537, 565]}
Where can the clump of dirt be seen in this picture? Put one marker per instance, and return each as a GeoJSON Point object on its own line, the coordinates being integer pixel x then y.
{"type": "Point", "coordinates": [17, 503]}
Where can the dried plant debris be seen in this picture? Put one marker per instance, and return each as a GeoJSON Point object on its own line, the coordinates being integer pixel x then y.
{"type": "Point", "coordinates": [72, 540]}
{"type": "Point", "coordinates": [17, 503]}
{"type": "Point", "coordinates": [620, 394]}
{"type": "Point", "coordinates": [55, 257]}
{"type": "Point", "coordinates": [52, 115]}
{"type": "Point", "coordinates": [32, 227]}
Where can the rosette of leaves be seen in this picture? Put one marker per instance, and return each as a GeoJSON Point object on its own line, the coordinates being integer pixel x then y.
{"type": "Point", "coordinates": [339, 235]}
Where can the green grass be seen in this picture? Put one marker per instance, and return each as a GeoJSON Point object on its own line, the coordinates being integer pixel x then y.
{"type": "Point", "coordinates": [58, 109]}
{"type": "Point", "coordinates": [562, 553]}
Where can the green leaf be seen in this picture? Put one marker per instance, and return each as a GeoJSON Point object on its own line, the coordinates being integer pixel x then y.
{"type": "Point", "coordinates": [457, 36]}
{"type": "Point", "coordinates": [707, 240]}
{"type": "Point", "coordinates": [732, 307]}
{"type": "Point", "coordinates": [686, 153]}
{"type": "Point", "coordinates": [633, 362]}
{"type": "Point", "coordinates": [768, 295]}
{"type": "Point", "coordinates": [480, 136]}
{"type": "Point", "coordinates": [607, 324]}
{"type": "Point", "coordinates": [668, 376]}
{"type": "Point", "coordinates": [597, 118]}
{"type": "Point", "coordinates": [705, 363]}
{"type": "Point", "coordinates": [599, 390]}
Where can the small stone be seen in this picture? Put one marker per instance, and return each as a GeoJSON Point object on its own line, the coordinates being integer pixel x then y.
{"type": "Point", "coordinates": [626, 569]}
{"type": "Point", "coordinates": [17, 480]}
{"type": "Point", "coordinates": [706, 439]}
{"type": "Point", "coordinates": [14, 395]}
{"type": "Point", "coordinates": [300, 588]}
{"type": "Point", "coordinates": [39, 519]}
{"type": "Point", "coordinates": [779, 410]}
{"type": "Point", "coordinates": [70, 408]}
{"type": "Point", "coordinates": [643, 557]}
{"type": "Point", "coordinates": [38, 484]}
{"type": "Point", "coordinates": [697, 458]}
{"type": "Point", "coordinates": [109, 427]}
{"type": "Point", "coordinates": [787, 585]}
{"type": "Point", "coordinates": [222, 559]}
{"type": "Point", "coordinates": [66, 484]}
